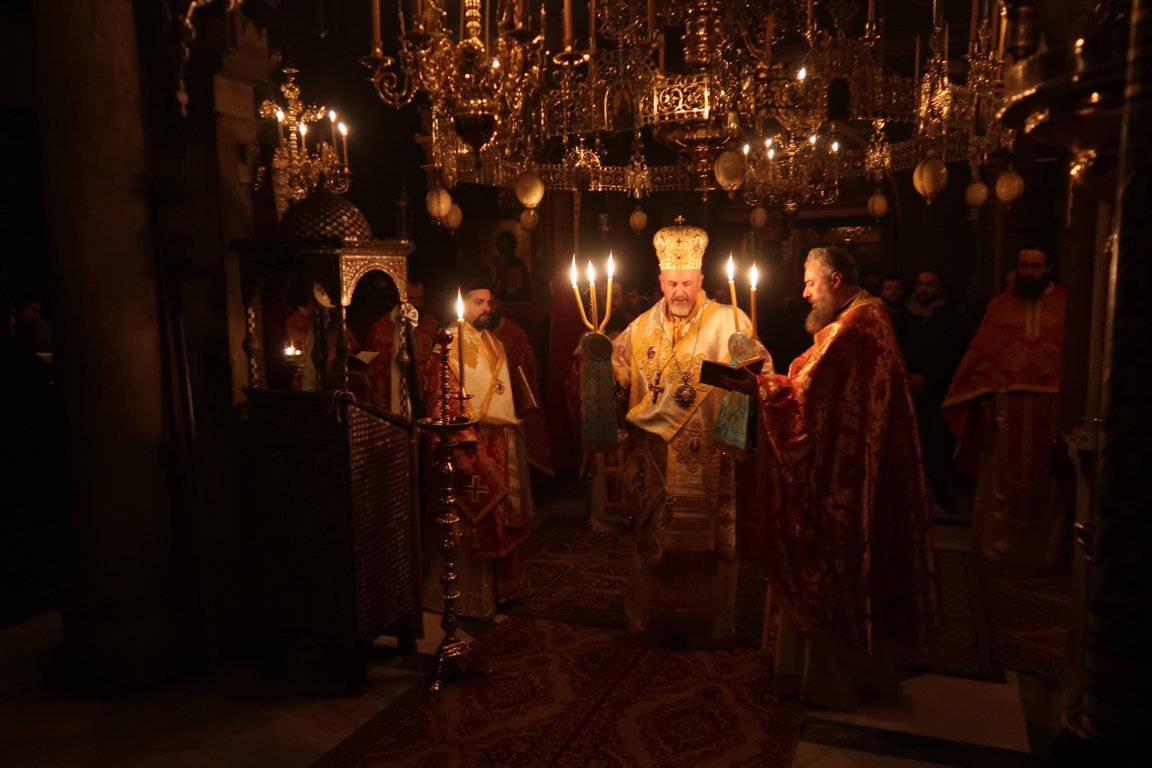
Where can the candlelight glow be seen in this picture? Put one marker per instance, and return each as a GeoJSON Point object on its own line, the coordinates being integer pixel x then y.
{"type": "Point", "coordinates": [303, 129]}
{"type": "Point", "coordinates": [573, 275]}
{"type": "Point", "coordinates": [753, 277]}
{"type": "Point", "coordinates": [731, 269]}
{"type": "Point", "coordinates": [611, 266]}
{"type": "Point", "coordinates": [332, 115]}
{"type": "Point", "coordinates": [591, 274]}
{"type": "Point", "coordinates": [279, 115]}
{"type": "Point", "coordinates": [343, 129]}
{"type": "Point", "coordinates": [459, 305]}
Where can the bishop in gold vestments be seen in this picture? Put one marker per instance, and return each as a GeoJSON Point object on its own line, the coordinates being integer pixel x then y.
{"type": "Point", "coordinates": [682, 583]}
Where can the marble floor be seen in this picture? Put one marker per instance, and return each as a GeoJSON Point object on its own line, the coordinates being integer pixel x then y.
{"type": "Point", "coordinates": [235, 718]}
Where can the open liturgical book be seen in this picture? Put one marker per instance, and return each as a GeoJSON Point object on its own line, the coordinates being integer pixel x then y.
{"type": "Point", "coordinates": [712, 372]}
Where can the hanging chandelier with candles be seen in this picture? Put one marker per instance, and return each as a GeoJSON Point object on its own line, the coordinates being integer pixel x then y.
{"type": "Point", "coordinates": [772, 99]}
{"type": "Point", "coordinates": [303, 159]}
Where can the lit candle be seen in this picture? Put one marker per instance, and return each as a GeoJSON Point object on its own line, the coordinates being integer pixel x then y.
{"type": "Point", "coordinates": [574, 276]}
{"type": "Point", "coordinates": [1003, 34]}
{"type": "Point", "coordinates": [303, 137]}
{"type": "Point", "coordinates": [568, 35]}
{"type": "Point", "coordinates": [592, 291]}
{"type": "Point", "coordinates": [375, 25]}
{"type": "Point", "coordinates": [344, 139]}
{"type": "Point", "coordinates": [332, 125]}
{"type": "Point", "coordinates": [608, 294]}
{"type": "Point", "coordinates": [280, 126]}
{"type": "Point", "coordinates": [732, 291]}
{"type": "Point", "coordinates": [592, 25]}
{"type": "Point", "coordinates": [752, 278]}
{"type": "Point", "coordinates": [460, 342]}
{"type": "Point", "coordinates": [916, 67]}
{"type": "Point", "coordinates": [291, 352]}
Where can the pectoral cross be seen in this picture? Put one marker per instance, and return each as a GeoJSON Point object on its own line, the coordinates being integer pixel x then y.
{"type": "Point", "coordinates": [657, 388]}
{"type": "Point", "coordinates": [476, 488]}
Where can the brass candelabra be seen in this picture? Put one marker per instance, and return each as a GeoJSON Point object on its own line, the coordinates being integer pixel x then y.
{"type": "Point", "coordinates": [454, 656]}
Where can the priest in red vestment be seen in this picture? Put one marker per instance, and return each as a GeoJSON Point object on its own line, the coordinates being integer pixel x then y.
{"type": "Point", "coordinates": [493, 488]}
{"type": "Point", "coordinates": [849, 555]}
{"type": "Point", "coordinates": [1001, 406]}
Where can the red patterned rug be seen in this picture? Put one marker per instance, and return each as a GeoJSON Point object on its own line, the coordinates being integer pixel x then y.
{"type": "Point", "coordinates": [578, 577]}
{"type": "Point", "coordinates": [572, 696]}
{"type": "Point", "coordinates": [1032, 614]}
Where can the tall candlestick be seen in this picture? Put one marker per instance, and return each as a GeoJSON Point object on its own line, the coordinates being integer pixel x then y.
{"type": "Point", "coordinates": [574, 276]}
{"type": "Point", "coordinates": [608, 294]}
{"type": "Point", "coordinates": [871, 11]}
{"type": "Point", "coordinates": [332, 125]}
{"type": "Point", "coordinates": [972, 24]}
{"type": "Point", "coordinates": [732, 292]}
{"type": "Point", "coordinates": [752, 277]}
{"type": "Point", "coordinates": [568, 34]}
{"type": "Point", "coordinates": [592, 291]}
{"type": "Point", "coordinates": [651, 19]}
{"type": "Point", "coordinates": [344, 140]}
{"type": "Point", "coordinates": [460, 344]}
{"type": "Point", "coordinates": [809, 27]}
{"type": "Point", "coordinates": [376, 41]}
{"type": "Point", "coordinates": [417, 11]}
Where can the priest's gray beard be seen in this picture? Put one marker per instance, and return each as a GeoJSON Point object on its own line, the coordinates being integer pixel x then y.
{"type": "Point", "coordinates": [823, 312]}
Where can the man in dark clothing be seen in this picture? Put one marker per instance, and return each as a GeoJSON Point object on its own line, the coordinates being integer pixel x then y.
{"type": "Point", "coordinates": [933, 337]}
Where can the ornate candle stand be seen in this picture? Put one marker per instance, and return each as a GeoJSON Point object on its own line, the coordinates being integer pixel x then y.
{"type": "Point", "coordinates": [454, 656]}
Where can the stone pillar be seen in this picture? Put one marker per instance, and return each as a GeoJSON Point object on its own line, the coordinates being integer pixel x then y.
{"type": "Point", "coordinates": [1115, 707]}
{"type": "Point", "coordinates": [120, 617]}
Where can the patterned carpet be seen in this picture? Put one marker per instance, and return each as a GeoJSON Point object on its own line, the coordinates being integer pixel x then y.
{"type": "Point", "coordinates": [579, 576]}
{"type": "Point", "coordinates": [565, 695]}
{"type": "Point", "coordinates": [1032, 615]}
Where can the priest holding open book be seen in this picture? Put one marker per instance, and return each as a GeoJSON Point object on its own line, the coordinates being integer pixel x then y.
{"type": "Point", "coordinates": [850, 552]}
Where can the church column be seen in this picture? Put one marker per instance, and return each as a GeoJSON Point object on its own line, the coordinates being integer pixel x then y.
{"type": "Point", "coordinates": [120, 617]}
{"type": "Point", "coordinates": [1117, 675]}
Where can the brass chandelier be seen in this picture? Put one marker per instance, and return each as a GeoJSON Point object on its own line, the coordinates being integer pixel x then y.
{"type": "Point", "coordinates": [771, 99]}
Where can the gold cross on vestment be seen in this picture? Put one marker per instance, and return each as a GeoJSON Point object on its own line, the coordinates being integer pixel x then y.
{"type": "Point", "coordinates": [476, 488]}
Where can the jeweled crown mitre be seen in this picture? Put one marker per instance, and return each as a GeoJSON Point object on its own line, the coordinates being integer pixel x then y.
{"type": "Point", "coordinates": [680, 246]}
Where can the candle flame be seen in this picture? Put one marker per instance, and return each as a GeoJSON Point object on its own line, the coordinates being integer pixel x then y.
{"type": "Point", "coordinates": [753, 277]}
{"type": "Point", "coordinates": [731, 269]}
{"type": "Point", "coordinates": [279, 115]}
{"type": "Point", "coordinates": [572, 273]}
{"type": "Point", "coordinates": [332, 115]}
{"type": "Point", "coordinates": [303, 129]}
{"type": "Point", "coordinates": [459, 306]}
{"type": "Point", "coordinates": [343, 129]}
{"type": "Point", "coordinates": [611, 266]}
{"type": "Point", "coordinates": [591, 274]}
